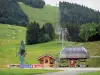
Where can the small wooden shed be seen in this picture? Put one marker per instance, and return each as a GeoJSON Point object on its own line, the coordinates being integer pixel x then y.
{"type": "Point", "coordinates": [47, 60]}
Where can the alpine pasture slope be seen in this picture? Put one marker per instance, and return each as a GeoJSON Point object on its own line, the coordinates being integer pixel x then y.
{"type": "Point", "coordinates": [10, 37]}
{"type": "Point", "coordinates": [42, 16]}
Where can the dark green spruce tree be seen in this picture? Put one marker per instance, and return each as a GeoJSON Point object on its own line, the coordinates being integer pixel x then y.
{"type": "Point", "coordinates": [48, 29]}
{"type": "Point", "coordinates": [33, 33]}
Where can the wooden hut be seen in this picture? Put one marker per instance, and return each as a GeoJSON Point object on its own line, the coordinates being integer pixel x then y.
{"type": "Point", "coordinates": [47, 60]}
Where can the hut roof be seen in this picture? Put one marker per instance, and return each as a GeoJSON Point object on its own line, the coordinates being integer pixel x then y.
{"type": "Point", "coordinates": [45, 55]}
{"type": "Point", "coordinates": [74, 52]}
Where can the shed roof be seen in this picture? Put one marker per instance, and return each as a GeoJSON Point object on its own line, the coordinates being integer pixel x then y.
{"type": "Point", "coordinates": [45, 56]}
{"type": "Point", "coordinates": [74, 52]}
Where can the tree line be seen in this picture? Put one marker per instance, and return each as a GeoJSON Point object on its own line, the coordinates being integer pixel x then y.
{"type": "Point", "coordinates": [35, 34]}
{"type": "Point", "coordinates": [72, 16]}
{"type": "Point", "coordinates": [11, 13]}
{"type": "Point", "coordinates": [34, 3]}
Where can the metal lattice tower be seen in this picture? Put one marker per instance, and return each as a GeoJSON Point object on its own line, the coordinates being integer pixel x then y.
{"type": "Point", "coordinates": [57, 26]}
{"type": "Point", "coordinates": [61, 32]}
{"type": "Point", "coordinates": [65, 35]}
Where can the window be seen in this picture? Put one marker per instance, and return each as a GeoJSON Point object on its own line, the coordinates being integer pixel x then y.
{"type": "Point", "coordinates": [46, 61]}
{"type": "Point", "coordinates": [41, 61]}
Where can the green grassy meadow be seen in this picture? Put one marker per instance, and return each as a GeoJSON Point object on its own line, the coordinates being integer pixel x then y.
{"type": "Point", "coordinates": [91, 73]}
{"type": "Point", "coordinates": [24, 71]}
{"type": "Point", "coordinates": [47, 14]}
{"type": "Point", "coordinates": [9, 46]}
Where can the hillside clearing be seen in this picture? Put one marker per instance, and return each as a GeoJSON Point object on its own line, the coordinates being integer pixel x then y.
{"type": "Point", "coordinates": [44, 15]}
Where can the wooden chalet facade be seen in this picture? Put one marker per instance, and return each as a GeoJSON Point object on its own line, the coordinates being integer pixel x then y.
{"type": "Point", "coordinates": [47, 60]}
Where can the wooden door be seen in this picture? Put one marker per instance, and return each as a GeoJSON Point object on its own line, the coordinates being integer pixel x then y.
{"type": "Point", "coordinates": [72, 63]}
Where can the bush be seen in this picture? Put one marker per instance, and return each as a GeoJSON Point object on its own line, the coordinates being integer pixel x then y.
{"type": "Point", "coordinates": [89, 30]}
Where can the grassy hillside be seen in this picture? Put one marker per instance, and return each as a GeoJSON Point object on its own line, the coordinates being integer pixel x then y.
{"type": "Point", "coordinates": [9, 46]}
{"type": "Point", "coordinates": [10, 37]}
{"type": "Point", "coordinates": [94, 50]}
{"type": "Point", "coordinates": [47, 14]}
{"type": "Point", "coordinates": [10, 31]}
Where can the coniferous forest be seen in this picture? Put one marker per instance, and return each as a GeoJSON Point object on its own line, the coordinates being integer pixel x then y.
{"type": "Point", "coordinates": [34, 3]}
{"type": "Point", "coordinates": [35, 34]}
{"type": "Point", "coordinates": [11, 13]}
{"type": "Point", "coordinates": [73, 16]}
